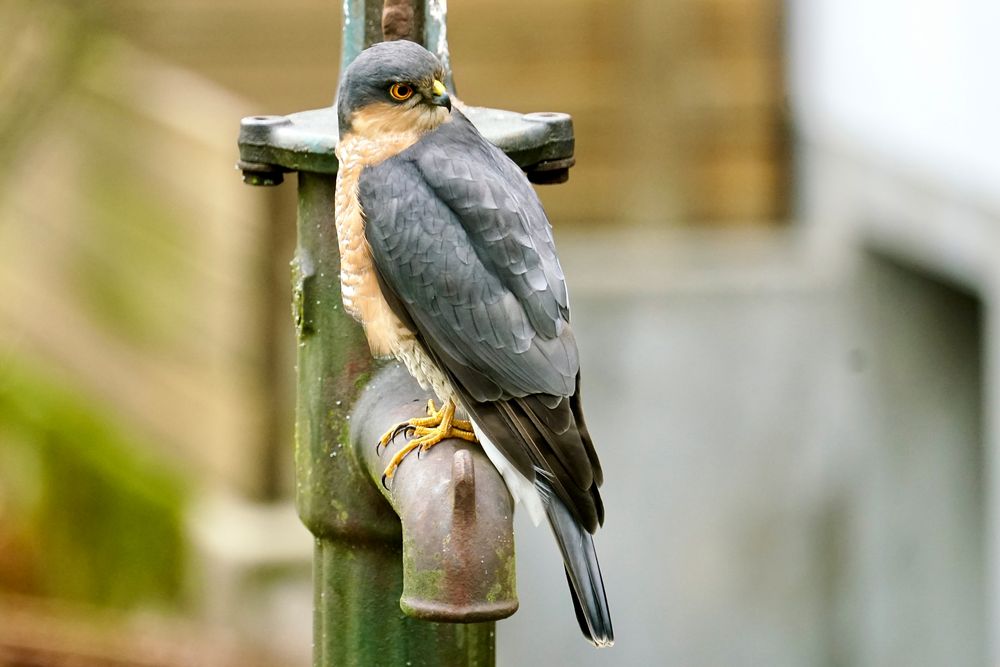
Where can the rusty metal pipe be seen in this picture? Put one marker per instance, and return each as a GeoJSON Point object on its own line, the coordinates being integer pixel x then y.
{"type": "Point", "coordinates": [456, 513]}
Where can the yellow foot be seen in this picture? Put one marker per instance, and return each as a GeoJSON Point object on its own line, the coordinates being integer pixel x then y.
{"type": "Point", "coordinates": [426, 432]}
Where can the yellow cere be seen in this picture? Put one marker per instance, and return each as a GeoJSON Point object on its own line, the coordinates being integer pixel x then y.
{"type": "Point", "coordinates": [438, 88]}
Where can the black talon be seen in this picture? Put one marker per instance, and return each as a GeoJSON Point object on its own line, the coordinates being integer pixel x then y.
{"type": "Point", "coordinates": [384, 485]}
{"type": "Point", "coordinates": [396, 431]}
{"type": "Point", "coordinates": [402, 428]}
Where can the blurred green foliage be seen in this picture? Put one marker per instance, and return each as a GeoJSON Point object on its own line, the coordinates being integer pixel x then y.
{"type": "Point", "coordinates": [85, 514]}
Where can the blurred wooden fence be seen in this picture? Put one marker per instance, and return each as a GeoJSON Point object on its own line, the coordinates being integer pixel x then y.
{"type": "Point", "coordinates": [133, 262]}
{"type": "Point", "coordinates": [678, 104]}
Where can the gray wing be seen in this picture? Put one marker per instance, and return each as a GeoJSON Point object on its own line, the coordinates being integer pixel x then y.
{"type": "Point", "coordinates": [465, 255]}
{"type": "Point", "coordinates": [459, 236]}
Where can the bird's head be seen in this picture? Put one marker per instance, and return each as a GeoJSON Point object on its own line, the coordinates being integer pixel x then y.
{"type": "Point", "coordinates": [392, 87]}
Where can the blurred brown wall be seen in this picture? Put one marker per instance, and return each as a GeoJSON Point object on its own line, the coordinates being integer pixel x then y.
{"type": "Point", "coordinates": [678, 104]}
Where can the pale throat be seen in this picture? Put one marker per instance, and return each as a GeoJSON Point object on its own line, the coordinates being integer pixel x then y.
{"type": "Point", "coordinates": [394, 124]}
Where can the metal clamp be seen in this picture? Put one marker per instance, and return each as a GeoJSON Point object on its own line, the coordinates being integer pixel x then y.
{"type": "Point", "coordinates": [540, 143]}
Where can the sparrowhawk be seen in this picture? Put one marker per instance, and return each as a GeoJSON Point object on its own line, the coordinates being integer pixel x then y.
{"type": "Point", "coordinates": [448, 261]}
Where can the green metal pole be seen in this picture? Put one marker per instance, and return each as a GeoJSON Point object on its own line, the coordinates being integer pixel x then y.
{"type": "Point", "coordinates": [358, 566]}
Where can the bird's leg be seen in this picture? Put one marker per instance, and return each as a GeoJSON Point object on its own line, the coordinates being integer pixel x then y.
{"type": "Point", "coordinates": [433, 419]}
{"type": "Point", "coordinates": [442, 425]}
{"type": "Point", "coordinates": [429, 420]}
{"type": "Point", "coordinates": [427, 432]}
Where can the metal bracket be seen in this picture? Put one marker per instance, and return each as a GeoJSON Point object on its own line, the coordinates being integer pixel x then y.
{"type": "Point", "coordinates": [540, 143]}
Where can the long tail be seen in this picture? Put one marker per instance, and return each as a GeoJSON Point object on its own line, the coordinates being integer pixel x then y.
{"type": "Point", "coordinates": [582, 571]}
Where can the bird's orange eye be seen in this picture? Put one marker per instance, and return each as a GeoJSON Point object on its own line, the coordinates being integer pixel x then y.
{"type": "Point", "coordinates": [401, 91]}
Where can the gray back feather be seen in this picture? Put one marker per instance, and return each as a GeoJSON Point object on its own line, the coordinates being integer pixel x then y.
{"type": "Point", "coordinates": [459, 236]}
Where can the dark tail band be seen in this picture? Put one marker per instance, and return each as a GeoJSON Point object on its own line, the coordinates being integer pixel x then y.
{"type": "Point", "coordinates": [582, 571]}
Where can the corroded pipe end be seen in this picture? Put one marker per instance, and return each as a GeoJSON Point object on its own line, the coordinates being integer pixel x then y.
{"type": "Point", "coordinates": [442, 612]}
{"type": "Point", "coordinates": [456, 513]}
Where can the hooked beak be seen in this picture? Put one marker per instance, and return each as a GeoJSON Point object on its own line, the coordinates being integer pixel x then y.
{"type": "Point", "coordinates": [440, 97]}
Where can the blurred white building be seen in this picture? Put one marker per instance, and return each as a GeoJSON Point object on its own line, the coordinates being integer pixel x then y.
{"type": "Point", "coordinates": [896, 107]}
{"type": "Point", "coordinates": [800, 429]}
